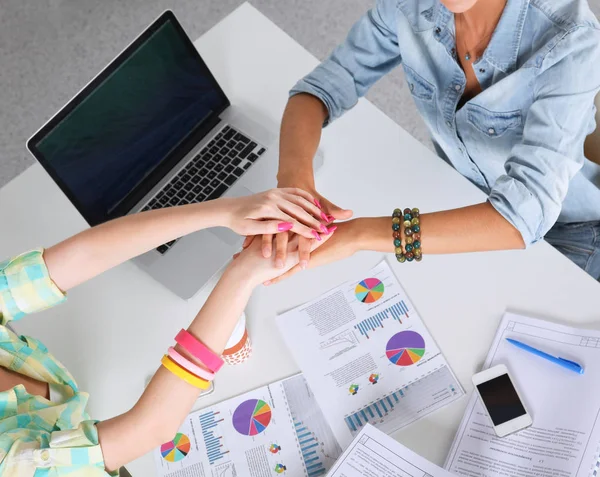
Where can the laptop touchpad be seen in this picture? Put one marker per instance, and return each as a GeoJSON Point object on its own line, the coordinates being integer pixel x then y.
{"type": "Point", "coordinates": [228, 236]}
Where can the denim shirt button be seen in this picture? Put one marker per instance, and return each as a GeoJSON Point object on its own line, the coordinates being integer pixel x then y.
{"type": "Point", "coordinates": [491, 131]}
{"type": "Point", "coordinates": [449, 124]}
{"type": "Point", "coordinates": [411, 86]}
{"type": "Point", "coordinates": [457, 87]}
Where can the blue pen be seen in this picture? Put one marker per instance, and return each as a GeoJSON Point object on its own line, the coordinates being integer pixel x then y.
{"type": "Point", "coordinates": [565, 363]}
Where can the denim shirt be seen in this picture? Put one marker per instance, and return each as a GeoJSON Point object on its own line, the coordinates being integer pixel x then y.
{"type": "Point", "coordinates": [521, 139]}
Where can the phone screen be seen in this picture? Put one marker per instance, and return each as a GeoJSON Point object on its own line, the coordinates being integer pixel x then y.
{"type": "Point", "coordinates": [501, 399]}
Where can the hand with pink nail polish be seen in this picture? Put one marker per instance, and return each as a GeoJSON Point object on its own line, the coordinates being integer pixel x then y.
{"type": "Point", "coordinates": [276, 211]}
{"type": "Point", "coordinates": [342, 241]}
{"type": "Point", "coordinates": [252, 264]}
{"type": "Point", "coordinates": [328, 213]}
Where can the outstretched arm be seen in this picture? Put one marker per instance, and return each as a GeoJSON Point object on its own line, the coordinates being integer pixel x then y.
{"type": "Point", "coordinates": [100, 248]}
{"type": "Point", "coordinates": [167, 400]}
{"type": "Point", "coordinates": [476, 228]}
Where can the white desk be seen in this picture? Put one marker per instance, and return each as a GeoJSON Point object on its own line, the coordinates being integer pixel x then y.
{"type": "Point", "coordinates": [461, 298]}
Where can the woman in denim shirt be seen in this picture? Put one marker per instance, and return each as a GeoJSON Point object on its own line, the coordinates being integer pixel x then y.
{"type": "Point", "coordinates": [506, 89]}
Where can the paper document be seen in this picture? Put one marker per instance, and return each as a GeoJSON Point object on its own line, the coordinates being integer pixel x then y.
{"type": "Point", "coordinates": [374, 454]}
{"type": "Point", "coordinates": [565, 406]}
{"type": "Point", "coordinates": [368, 357]}
{"type": "Point", "coordinates": [276, 429]}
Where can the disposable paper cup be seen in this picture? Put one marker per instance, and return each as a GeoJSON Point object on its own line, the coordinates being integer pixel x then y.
{"type": "Point", "coordinates": [239, 346]}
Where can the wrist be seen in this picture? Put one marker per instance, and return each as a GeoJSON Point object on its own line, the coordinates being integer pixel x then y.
{"type": "Point", "coordinates": [302, 178]}
{"type": "Point", "coordinates": [374, 233]}
{"type": "Point", "coordinates": [221, 211]}
{"type": "Point", "coordinates": [238, 274]}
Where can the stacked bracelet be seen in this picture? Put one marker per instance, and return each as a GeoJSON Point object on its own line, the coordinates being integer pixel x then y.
{"type": "Point", "coordinates": [191, 367]}
{"type": "Point", "coordinates": [183, 373]}
{"type": "Point", "coordinates": [409, 220]}
{"type": "Point", "coordinates": [397, 218]}
{"type": "Point", "coordinates": [185, 369]}
{"type": "Point", "coordinates": [193, 346]}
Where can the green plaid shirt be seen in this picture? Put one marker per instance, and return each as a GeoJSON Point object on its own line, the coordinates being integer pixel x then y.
{"type": "Point", "coordinates": [39, 437]}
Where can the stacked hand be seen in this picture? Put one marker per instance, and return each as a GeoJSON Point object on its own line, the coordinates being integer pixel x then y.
{"type": "Point", "coordinates": [273, 212]}
{"type": "Point", "coordinates": [329, 212]}
{"type": "Point", "coordinates": [305, 247]}
{"type": "Point", "coordinates": [259, 270]}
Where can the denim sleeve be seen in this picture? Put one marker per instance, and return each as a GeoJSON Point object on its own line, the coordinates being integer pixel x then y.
{"type": "Point", "coordinates": [369, 52]}
{"type": "Point", "coordinates": [540, 167]}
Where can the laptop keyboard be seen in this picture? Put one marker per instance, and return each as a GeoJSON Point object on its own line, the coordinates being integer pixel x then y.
{"type": "Point", "coordinates": [209, 174]}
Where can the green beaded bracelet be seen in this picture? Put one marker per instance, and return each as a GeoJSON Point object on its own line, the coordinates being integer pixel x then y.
{"type": "Point", "coordinates": [412, 232]}
{"type": "Point", "coordinates": [396, 219]}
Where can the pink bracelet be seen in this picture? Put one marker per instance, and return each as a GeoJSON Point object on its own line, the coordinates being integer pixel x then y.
{"type": "Point", "coordinates": [191, 367]}
{"type": "Point", "coordinates": [193, 346]}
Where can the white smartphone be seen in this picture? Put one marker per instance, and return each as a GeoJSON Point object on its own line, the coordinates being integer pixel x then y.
{"type": "Point", "coordinates": [501, 400]}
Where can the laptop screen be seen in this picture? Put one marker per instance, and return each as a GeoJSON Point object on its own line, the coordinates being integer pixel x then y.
{"type": "Point", "coordinates": [134, 118]}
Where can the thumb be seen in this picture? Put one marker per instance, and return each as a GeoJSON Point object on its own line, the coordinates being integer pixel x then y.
{"type": "Point", "coordinates": [337, 212]}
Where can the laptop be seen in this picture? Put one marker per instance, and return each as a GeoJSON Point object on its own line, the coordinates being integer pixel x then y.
{"type": "Point", "coordinates": [154, 129]}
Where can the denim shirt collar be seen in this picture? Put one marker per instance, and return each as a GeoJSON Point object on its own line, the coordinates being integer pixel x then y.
{"type": "Point", "coordinates": [503, 48]}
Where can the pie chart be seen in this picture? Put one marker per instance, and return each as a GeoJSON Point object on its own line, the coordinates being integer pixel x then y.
{"type": "Point", "coordinates": [251, 417]}
{"type": "Point", "coordinates": [177, 449]}
{"type": "Point", "coordinates": [369, 290]}
{"type": "Point", "coordinates": [405, 348]}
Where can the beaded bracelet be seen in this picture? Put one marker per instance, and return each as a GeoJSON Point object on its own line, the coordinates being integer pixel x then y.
{"type": "Point", "coordinates": [396, 223]}
{"type": "Point", "coordinates": [412, 233]}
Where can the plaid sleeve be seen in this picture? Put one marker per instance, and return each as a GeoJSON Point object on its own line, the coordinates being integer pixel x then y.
{"type": "Point", "coordinates": [26, 286]}
{"type": "Point", "coordinates": [78, 448]}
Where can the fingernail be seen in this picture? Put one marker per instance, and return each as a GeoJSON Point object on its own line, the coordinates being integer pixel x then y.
{"type": "Point", "coordinates": [330, 218]}
{"type": "Point", "coordinates": [284, 226]}
{"type": "Point", "coordinates": [323, 229]}
{"type": "Point", "coordinates": [316, 234]}
{"type": "Point", "coordinates": [303, 264]}
{"type": "Point", "coordinates": [332, 229]}
{"type": "Point", "coordinates": [279, 263]}
{"type": "Point", "coordinates": [317, 203]}
{"type": "Point", "coordinates": [266, 252]}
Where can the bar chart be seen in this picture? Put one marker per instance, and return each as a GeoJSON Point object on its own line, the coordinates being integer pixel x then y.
{"type": "Point", "coordinates": [315, 443]}
{"type": "Point", "coordinates": [213, 442]}
{"type": "Point", "coordinates": [398, 311]}
{"type": "Point", "coordinates": [403, 406]}
{"type": "Point", "coordinates": [309, 445]}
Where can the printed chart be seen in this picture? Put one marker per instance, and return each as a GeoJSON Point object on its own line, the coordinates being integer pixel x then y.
{"type": "Point", "coordinates": [177, 449]}
{"type": "Point", "coordinates": [275, 430]}
{"type": "Point", "coordinates": [403, 406]}
{"type": "Point", "coordinates": [346, 338]}
{"type": "Point", "coordinates": [212, 440]}
{"type": "Point", "coordinates": [397, 312]}
{"type": "Point", "coordinates": [274, 448]}
{"type": "Point", "coordinates": [369, 290]}
{"type": "Point", "coordinates": [362, 379]}
{"type": "Point", "coordinates": [405, 348]}
{"type": "Point", "coordinates": [315, 441]}
{"type": "Point", "coordinates": [252, 417]}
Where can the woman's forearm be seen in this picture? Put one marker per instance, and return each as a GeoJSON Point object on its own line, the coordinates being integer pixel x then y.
{"type": "Point", "coordinates": [167, 400]}
{"type": "Point", "coordinates": [299, 138]}
{"type": "Point", "coordinates": [100, 248]}
{"type": "Point", "coordinates": [475, 228]}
